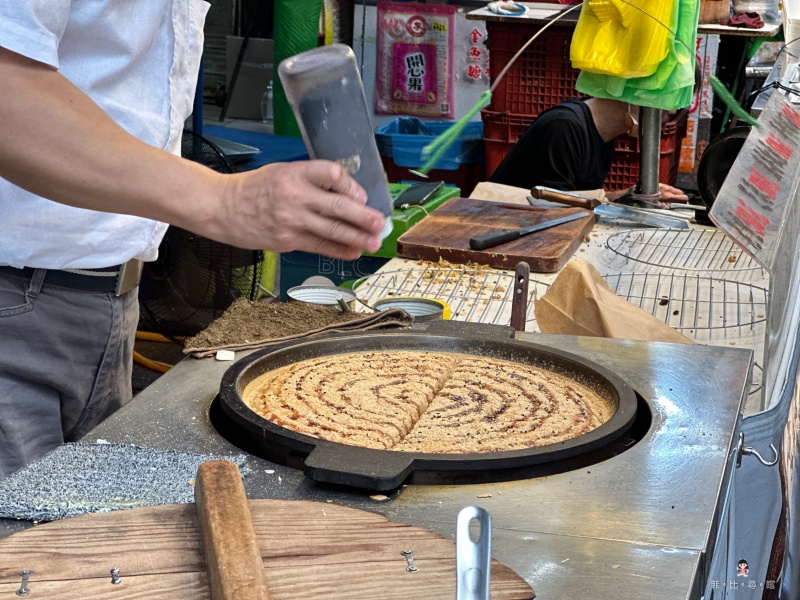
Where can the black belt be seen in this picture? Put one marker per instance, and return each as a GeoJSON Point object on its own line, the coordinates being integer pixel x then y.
{"type": "Point", "coordinates": [117, 280]}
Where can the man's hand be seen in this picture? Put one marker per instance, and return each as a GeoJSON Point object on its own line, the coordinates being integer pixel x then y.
{"type": "Point", "coordinates": [671, 195]}
{"type": "Point", "coordinates": [74, 153]}
{"type": "Point", "coordinates": [314, 206]}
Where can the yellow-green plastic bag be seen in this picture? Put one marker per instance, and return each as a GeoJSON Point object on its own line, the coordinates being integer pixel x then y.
{"type": "Point", "coordinates": [671, 86]}
{"type": "Point", "coordinates": [624, 38]}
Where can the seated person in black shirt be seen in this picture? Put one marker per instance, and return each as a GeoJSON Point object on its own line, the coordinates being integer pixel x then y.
{"type": "Point", "coordinates": [570, 147]}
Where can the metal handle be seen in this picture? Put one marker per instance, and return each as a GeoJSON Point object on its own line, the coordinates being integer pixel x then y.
{"type": "Point", "coordinates": [742, 450]}
{"type": "Point", "coordinates": [489, 240]}
{"type": "Point", "coordinates": [473, 559]}
{"type": "Point", "coordinates": [519, 302]}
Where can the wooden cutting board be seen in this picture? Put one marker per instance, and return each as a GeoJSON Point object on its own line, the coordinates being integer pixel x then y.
{"type": "Point", "coordinates": [309, 550]}
{"type": "Point", "coordinates": [446, 232]}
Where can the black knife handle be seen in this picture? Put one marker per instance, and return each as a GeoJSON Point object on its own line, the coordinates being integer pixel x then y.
{"type": "Point", "coordinates": [495, 238]}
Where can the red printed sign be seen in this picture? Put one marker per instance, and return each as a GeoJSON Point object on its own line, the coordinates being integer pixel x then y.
{"type": "Point", "coordinates": [414, 72]}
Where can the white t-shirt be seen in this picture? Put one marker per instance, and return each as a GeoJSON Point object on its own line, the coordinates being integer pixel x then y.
{"type": "Point", "coordinates": [138, 60]}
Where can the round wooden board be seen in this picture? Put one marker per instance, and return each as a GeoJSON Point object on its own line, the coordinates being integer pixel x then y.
{"type": "Point", "coordinates": [309, 549]}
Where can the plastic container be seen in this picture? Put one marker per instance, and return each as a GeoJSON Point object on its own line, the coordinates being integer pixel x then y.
{"type": "Point", "coordinates": [401, 143]}
{"type": "Point", "coordinates": [404, 138]}
{"type": "Point", "coordinates": [501, 130]}
{"type": "Point", "coordinates": [324, 89]}
{"type": "Point", "coordinates": [405, 219]}
{"type": "Point", "coordinates": [624, 170]}
{"type": "Point", "coordinates": [422, 309]}
{"type": "Point", "coordinates": [323, 295]}
{"type": "Point", "coordinates": [541, 77]}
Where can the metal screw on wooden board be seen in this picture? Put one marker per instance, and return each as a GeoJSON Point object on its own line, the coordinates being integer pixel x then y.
{"type": "Point", "coordinates": [115, 578]}
{"type": "Point", "coordinates": [409, 554]}
{"type": "Point", "coordinates": [519, 301]}
{"type": "Point", "coordinates": [23, 588]}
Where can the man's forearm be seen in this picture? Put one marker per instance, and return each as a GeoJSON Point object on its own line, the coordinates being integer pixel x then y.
{"type": "Point", "coordinates": [57, 143]}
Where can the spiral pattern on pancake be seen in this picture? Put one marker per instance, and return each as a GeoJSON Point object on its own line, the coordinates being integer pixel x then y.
{"type": "Point", "coordinates": [427, 402]}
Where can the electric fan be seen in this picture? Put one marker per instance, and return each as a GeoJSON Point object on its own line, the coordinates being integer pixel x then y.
{"type": "Point", "coordinates": [195, 279]}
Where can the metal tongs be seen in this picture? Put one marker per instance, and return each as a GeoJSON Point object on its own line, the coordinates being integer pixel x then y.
{"type": "Point", "coordinates": [473, 559]}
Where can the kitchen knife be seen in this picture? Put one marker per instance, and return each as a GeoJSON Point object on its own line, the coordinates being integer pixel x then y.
{"type": "Point", "coordinates": [682, 206]}
{"type": "Point", "coordinates": [638, 216]}
{"type": "Point", "coordinates": [632, 201]}
{"type": "Point", "coordinates": [581, 201]}
{"type": "Point", "coordinates": [496, 238]}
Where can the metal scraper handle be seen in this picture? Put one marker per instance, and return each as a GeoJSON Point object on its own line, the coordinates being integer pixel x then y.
{"type": "Point", "coordinates": [473, 559]}
{"type": "Point", "coordinates": [569, 198]}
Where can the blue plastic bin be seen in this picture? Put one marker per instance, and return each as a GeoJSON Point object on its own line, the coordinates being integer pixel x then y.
{"type": "Point", "coordinates": [403, 139]}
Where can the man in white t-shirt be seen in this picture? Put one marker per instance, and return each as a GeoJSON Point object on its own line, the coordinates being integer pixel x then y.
{"type": "Point", "coordinates": [92, 106]}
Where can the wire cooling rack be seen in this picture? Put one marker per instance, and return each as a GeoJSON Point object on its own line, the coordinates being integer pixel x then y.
{"type": "Point", "coordinates": [474, 293]}
{"type": "Point", "coordinates": [691, 302]}
{"type": "Point", "coordinates": [705, 309]}
{"type": "Point", "coordinates": [686, 249]}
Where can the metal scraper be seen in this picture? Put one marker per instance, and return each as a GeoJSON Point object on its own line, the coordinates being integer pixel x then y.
{"type": "Point", "coordinates": [640, 217]}
{"type": "Point", "coordinates": [602, 208]}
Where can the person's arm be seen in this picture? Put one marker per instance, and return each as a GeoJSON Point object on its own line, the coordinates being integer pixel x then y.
{"type": "Point", "coordinates": [669, 194]}
{"type": "Point", "coordinates": [57, 143]}
{"type": "Point", "coordinates": [614, 195]}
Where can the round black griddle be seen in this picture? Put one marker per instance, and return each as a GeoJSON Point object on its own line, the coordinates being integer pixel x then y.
{"type": "Point", "coordinates": [337, 463]}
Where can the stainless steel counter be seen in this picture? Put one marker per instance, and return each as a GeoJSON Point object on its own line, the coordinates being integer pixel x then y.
{"type": "Point", "coordinates": [640, 524]}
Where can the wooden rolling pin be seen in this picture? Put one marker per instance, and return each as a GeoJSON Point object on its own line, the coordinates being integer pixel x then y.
{"type": "Point", "coordinates": [233, 560]}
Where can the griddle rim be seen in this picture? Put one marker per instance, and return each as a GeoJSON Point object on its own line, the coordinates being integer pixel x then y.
{"type": "Point", "coordinates": [332, 462]}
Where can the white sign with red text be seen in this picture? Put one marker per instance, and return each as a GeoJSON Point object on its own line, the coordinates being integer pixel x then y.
{"type": "Point", "coordinates": [760, 190]}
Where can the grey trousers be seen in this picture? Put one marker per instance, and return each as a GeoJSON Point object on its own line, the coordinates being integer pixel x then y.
{"type": "Point", "coordinates": [66, 358]}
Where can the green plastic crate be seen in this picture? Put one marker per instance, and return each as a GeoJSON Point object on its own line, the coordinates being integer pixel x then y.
{"type": "Point", "coordinates": [296, 267]}
{"type": "Point", "coordinates": [405, 219]}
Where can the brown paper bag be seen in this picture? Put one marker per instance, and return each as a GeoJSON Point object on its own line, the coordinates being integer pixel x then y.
{"type": "Point", "coordinates": [498, 192]}
{"type": "Point", "coordinates": [580, 302]}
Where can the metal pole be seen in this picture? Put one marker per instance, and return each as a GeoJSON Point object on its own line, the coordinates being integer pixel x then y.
{"type": "Point", "coordinates": [651, 150]}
